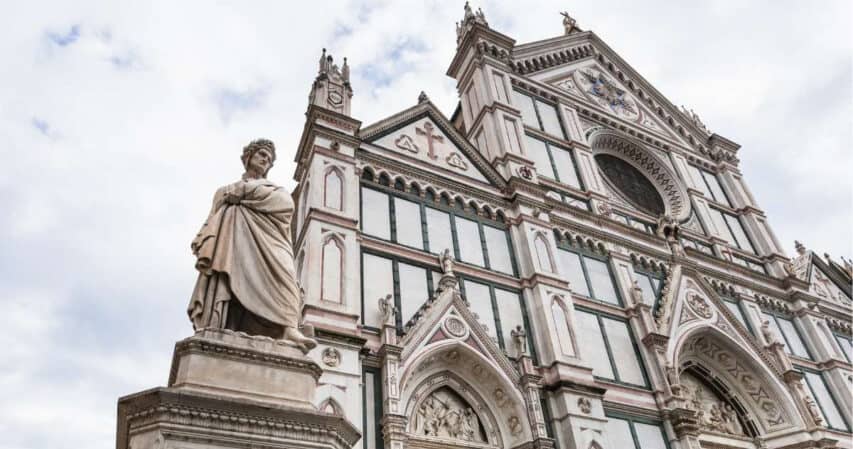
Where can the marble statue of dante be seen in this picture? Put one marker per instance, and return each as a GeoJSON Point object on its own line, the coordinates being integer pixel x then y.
{"type": "Point", "coordinates": [247, 276]}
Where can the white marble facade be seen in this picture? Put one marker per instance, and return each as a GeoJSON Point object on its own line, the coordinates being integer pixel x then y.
{"type": "Point", "coordinates": [617, 285]}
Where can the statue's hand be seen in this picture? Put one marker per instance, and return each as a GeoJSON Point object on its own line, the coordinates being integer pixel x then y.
{"type": "Point", "coordinates": [232, 198]}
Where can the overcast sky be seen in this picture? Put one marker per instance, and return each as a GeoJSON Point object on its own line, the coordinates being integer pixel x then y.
{"type": "Point", "coordinates": [118, 122]}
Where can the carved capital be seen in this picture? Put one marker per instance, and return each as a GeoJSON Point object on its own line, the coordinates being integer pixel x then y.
{"type": "Point", "coordinates": [684, 423]}
{"type": "Point", "coordinates": [654, 339]}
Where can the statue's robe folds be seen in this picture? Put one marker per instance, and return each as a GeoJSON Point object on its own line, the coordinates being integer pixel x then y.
{"type": "Point", "coordinates": [245, 254]}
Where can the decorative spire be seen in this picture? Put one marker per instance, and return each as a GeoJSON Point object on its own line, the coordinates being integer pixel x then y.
{"type": "Point", "coordinates": [468, 20]}
{"type": "Point", "coordinates": [570, 25]}
{"type": "Point", "coordinates": [331, 89]}
{"type": "Point", "coordinates": [423, 98]}
{"type": "Point", "coordinates": [345, 71]}
{"type": "Point", "coordinates": [328, 69]}
{"type": "Point", "coordinates": [848, 266]}
{"type": "Point", "coordinates": [323, 66]}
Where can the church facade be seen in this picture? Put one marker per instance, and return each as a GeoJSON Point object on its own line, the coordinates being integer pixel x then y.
{"type": "Point", "coordinates": [567, 261]}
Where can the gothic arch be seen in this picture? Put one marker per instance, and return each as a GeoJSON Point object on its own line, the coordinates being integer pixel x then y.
{"type": "Point", "coordinates": [746, 377]}
{"type": "Point", "coordinates": [478, 379]}
{"type": "Point", "coordinates": [333, 189]}
{"type": "Point", "coordinates": [331, 407]}
{"type": "Point", "coordinates": [331, 395]}
{"type": "Point", "coordinates": [332, 269]}
{"type": "Point", "coordinates": [543, 252]}
{"type": "Point", "coordinates": [562, 325]}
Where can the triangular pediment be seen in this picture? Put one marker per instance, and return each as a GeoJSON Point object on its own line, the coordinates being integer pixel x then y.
{"type": "Point", "coordinates": [695, 302]}
{"type": "Point", "coordinates": [422, 135]}
{"type": "Point", "coordinates": [584, 67]}
{"type": "Point", "coordinates": [448, 317]}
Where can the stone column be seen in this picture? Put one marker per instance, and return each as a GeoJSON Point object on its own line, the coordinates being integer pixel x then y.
{"type": "Point", "coordinates": [529, 384]}
{"type": "Point", "coordinates": [394, 422]}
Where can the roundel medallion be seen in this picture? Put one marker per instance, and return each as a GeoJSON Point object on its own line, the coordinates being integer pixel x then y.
{"type": "Point", "coordinates": [455, 327]}
{"type": "Point", "coordinates": [335, 98]}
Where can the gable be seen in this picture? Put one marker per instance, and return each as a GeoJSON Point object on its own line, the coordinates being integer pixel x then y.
{"type": "Point", "coordinates": [693, 304]}
{"type": "Point", "coordinates": [428, 142]}
{"type": "Point", "coordinates": [554, 61]}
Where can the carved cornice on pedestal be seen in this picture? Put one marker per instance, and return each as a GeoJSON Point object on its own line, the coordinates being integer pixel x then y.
{"type": "Point", "coordinates": [210, 417]}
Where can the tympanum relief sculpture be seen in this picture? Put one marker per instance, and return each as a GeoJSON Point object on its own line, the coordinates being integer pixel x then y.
{"type": "Point", "coordinates": [443, 414]}
{"type": "Point", "coordinates": [712, 412]}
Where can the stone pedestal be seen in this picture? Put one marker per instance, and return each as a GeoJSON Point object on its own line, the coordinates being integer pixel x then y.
{"type": "Point", "coordinates": [230, 390]}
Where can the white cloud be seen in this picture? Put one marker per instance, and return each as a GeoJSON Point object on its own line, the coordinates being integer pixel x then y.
{"type": "Point", "coordinates": [118, 122]}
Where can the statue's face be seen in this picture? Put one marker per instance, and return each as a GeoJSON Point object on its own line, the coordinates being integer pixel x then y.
{"type": "Point", "coordinates": [261, 161]}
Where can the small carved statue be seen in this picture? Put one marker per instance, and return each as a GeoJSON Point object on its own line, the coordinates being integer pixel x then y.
{"type": "Point", "coordinates": [569, 23]}
{"type": "Point", "coordinates": [715, 418]}
{"type": "Point", "coordinates": [637, 293]}
{"type": "Point", "coordinates": [812, 406]}
{"type": "Point", "coordinates": [388, 310]}
{"type": "Point", "coordinates": [730, 420]}
{"type": "Point", "coordinates": [244, 256]}
{"type": "Point", "coordinates": [519, 340]}
{"type": "Point", "coordinates": [767, 333]}
{"type": "Point", "coordinates": [446, 261]}
{"type": "Point", "coordinates": [671, 375]}
{"type": "Point", "coordinates": [470, 424]}
{"type": "Point", "coordinates": [469, 14]}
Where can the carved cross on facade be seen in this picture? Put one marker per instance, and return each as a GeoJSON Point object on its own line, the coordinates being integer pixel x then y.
{"type": "Point", "coordinates": [427, 131]}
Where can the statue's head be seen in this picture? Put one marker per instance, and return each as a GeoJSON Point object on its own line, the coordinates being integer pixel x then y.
{"type": "Point", "coordinates": [258, 156]}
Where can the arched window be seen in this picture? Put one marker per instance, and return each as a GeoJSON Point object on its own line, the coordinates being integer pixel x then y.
{"type": "Point", "coordinates": [561, 323]}
{"type": "Point", "coordinates": [333, 198]}
{"type": "Point", "coordinates": [543, 254]}
{"type": "Point", "coordinates": [332, 269]}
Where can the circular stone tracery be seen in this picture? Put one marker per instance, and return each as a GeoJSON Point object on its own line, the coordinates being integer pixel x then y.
{"type": "Point", "coordinates": [639, 175]}
{"type": "Point", "coordinates": [638, 190]}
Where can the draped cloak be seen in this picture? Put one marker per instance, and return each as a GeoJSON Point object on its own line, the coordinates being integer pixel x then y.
{"type": "Point", "coordinates": [244, 253]}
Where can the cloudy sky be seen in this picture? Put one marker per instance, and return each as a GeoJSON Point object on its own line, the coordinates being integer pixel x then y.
{"type": "Point", "coordinates": [117, 122]}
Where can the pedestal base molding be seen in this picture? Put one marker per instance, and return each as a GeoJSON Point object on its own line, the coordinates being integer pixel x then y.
{"type": "Point", "coordinates": [165, 418]}
{"type": "Point", "coordinates": [231, 390]}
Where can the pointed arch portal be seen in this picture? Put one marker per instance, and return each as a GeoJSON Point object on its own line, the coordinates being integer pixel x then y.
{"type": "Point", "coordinates": [730, 375]}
